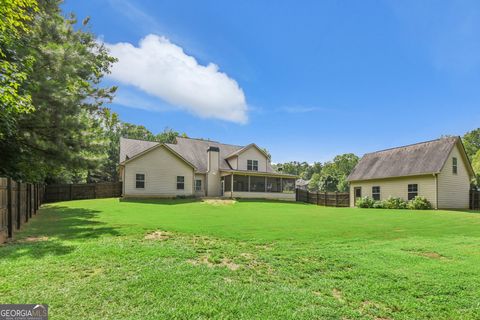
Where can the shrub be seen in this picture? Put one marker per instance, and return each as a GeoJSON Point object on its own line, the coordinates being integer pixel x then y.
{"type": "Point", "coordinates": [365, 202]}
{"type": "Point", "coordinates": [378, 205]}
{"type": "Point", "coordinates": [394, 203]}
{"type": "Point", "coordinates": [419, 203]}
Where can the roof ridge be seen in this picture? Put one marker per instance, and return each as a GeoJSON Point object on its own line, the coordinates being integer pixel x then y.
{"type": "Point", "coordinates": [412, 144]}
{"type": "Point", "coordinates": [204, 140]}
{"type": "Point", "coordinates": [139, 139]}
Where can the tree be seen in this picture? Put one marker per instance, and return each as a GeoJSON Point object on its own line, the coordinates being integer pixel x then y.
{"type": "Point", "coordinates": [15, 65]}
{"type": "Point", "coordinates": [64, 132]}
{"type": "Point", "coordinates": [476, 166]}
{"type": "Point", "coordinates": [471, 141]}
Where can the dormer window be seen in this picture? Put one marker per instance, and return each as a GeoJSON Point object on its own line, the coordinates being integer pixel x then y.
{"type": "Point", "coordinates": [454, 165]}
{"type": "Point", "coordinates": [252, 165]}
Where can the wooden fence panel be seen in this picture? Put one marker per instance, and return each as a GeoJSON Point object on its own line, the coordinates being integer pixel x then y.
{"type": "Point", "coordinates": [474, 200]}
{"type": "Point", "coordinates": [66, 192]}
{"type": "Point", "coordinates": [3, 210]}
{"type": "Point", "coordinates": [18, 202]}
{"type": "Point", "coordinates": [328, 199]}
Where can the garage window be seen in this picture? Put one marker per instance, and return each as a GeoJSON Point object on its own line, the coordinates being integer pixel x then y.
{"type": "Point", "coordinates": [140, 181]}
{"type": "Point", "coordinates": [180, 182]}
{"type": "Point", "coordinates": [412, 191]}
{"type": "Point", "coordinates": [376, 193]}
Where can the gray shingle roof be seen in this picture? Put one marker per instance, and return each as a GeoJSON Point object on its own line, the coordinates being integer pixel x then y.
{"type": "Point", "coordinates": [192, 150]}
{"type": "Point", "coordinates": [416, 159]}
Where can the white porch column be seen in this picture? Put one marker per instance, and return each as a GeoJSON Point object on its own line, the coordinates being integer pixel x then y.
{"type": "Point", "coordinates": [231, 187]}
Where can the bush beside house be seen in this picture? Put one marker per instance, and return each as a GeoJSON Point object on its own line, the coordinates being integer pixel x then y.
{"type": "Point", "coordinates": [418, 203]}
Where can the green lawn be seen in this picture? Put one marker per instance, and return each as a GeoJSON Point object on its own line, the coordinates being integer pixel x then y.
{"type": "Point", "coordinates": [265, 260]}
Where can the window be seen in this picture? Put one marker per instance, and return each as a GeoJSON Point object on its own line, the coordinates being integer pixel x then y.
{"type": "Point", "coordinates": [252, 165]}
{"type": "Point", "coordinates": [257, 184]}
{"type": "Point", "coordinates": [198, 185]}
{"type": "Point", "coordinates": [240, 183]}
{"type": "Point", "coordinates": [274, 185]}
{"type": "Point", "coordinates": [358, 192]}
{"type": "Point", "coordinates": [376, 193]}
{"type": "Point", "coordinates": [180, 182]}
{"type": "Point", "coordinates": [288, 185]}
{"type": "Point", "coordinates": [412, 191]}
{"type": "Point", "coordinates": [454, 166]}
{"type": "Point", "coordinates": [140, 181]}
{"type": "Point", "coordinates": [227, 183]}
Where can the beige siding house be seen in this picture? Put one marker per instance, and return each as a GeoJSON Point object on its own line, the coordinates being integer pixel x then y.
{"type": "Point", "coordinates": [200, 168]}
{"type": "Point", "coordinates": [438, 170]}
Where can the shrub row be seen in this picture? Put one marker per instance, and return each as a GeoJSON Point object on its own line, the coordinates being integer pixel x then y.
{"type": "Point", "coordinates": [418, 203]}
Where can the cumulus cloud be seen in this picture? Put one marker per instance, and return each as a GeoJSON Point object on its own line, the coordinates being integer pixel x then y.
{"type": "Point", "coordinates": [162, 69]}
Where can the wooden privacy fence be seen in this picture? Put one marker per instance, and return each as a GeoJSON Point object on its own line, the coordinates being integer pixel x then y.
{"type": "Point", "coordinates": [65, 192]}
{"type": "Point", "coordinates": [19, 201]}
{"type": "Point", "coordinates": [474, 200]}
{"type": "Point", "coordinates": [328, 199]}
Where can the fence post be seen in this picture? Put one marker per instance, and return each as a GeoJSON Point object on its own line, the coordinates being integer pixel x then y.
{"type": "Point", "coordinates": [336, 198]}
{"type": "Point", "coordinates": [308, 196]}
{"type": "Point", "coordinates": [296, 194]}
{"type": "Point", "coordinates": [26, 202]}
{"type": "Point", "coordinates": [71, 187]}
{"type": "Point", "coordinates": [9, 208]}
{"type": "Point", "coordinates": [31, 198]}
{"type": "Point", "coordinates": [19, 212]}
{"type": "Point", "coordinates": [325, 198]}
{"type": "Point", "coordinates": [318, 198]}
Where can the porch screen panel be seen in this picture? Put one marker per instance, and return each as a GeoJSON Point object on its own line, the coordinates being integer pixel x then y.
{"type": "Point", "coordinates": [274, 185]}
{"type": "Point", "coordinates": [240, 183]}
{"type": "Point", "coordinates": [288, 185]}
{"type": "Point", "coordinates": [257, 184]}
{"type": "Point", "coordinates": [227, 180]}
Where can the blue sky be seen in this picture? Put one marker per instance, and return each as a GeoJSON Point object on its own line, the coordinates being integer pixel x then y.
{"type": "Point", "coordinates": [305, 79]}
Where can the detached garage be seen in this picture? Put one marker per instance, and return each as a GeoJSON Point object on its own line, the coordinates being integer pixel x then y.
{"type": "Point", "coordinates": [438, 170]}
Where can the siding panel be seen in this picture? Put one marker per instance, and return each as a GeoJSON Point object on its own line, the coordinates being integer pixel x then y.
{"type": "Point", "coordinates": [252, 154]}
{"type": "Point", "coordinates": [397, 187]}
{"type": "Point", "coordinates": [453, 189]}
{"type": "Point", "coordinates": [161, 168]}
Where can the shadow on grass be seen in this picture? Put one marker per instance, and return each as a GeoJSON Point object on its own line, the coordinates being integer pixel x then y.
{"type": "Point", "coordinates": [46, 233]}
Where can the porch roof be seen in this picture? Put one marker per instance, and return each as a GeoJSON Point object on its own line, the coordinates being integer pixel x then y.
{"type": "Point", "coordinates": [259, 173]}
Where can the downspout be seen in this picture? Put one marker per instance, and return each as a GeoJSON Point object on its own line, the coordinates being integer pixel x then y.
{"type": "Point", "coordinates": [436, 190]}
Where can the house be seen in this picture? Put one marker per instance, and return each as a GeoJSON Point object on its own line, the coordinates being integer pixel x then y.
{"type": "Point", "coordinates": [201, 168]}
{"type": "Point", "coordinates": [438, 170]}
{"type": "Point", "coordinates": [302, 184]}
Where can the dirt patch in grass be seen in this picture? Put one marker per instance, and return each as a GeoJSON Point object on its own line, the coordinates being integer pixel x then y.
{"type": "Point", "coordinates": [337, 294]}
{"type": "Point", "coordinates": [431, 255]}
{"type": "Point", "coordinates": [158, 235]}
{"type": "Point", "coordinates": [33, 239]}
{"type": "Point", "coordinates": [207, 261]}
{"type": "Point", "coordinates": [219, 202]}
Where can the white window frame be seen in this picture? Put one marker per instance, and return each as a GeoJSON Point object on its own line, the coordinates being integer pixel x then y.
{"type": "Point", "coordinates": [252, 165]}
{"type": "Point", "coordinates": [144, 180]}
{"type": "Point", "coordinates": [454, 165]}
{"type": "Point", "coordinates": [197, 188]}
{"type": "Point", "coordinates": [377, 193]}
{"type": "Point", "coordinates": [181, 182]}
{"type": "Point", "coordinates": [412, 192]}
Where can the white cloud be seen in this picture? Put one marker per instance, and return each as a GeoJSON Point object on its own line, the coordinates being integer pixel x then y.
{"type": "Point", "coordinates": [162, 69]}
{"type": "Point", "coordinates": [301, 109]}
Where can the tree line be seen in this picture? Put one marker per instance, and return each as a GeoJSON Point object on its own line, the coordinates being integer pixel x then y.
{"type": "Point", "coordinates": [54, 123]}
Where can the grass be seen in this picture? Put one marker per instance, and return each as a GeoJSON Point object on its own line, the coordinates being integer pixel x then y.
{"type": "Point", "coordinates": [112, 259]}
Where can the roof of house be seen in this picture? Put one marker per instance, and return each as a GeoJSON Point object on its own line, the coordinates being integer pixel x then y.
{"type": "Point", "coordinates": [301, 182]}
{"type": "Point", "coordinates": [421, 158]}
{"type": "Point", "coordinates": [192, 150]}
